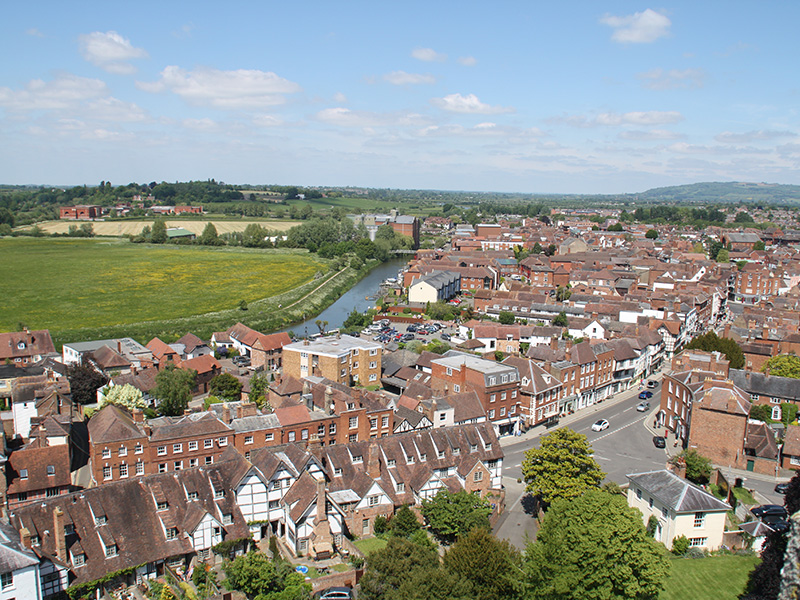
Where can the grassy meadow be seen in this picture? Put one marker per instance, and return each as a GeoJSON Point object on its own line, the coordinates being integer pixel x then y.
{"type": "Point", "coordinates": [85, 289]}
{"type": "Point", "coordinates": [134, 227]}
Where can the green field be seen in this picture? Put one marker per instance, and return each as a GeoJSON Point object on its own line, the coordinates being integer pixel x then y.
{"type": "Point", "coordinates": [83, 289]}
{"type": "Point", "coordinates": [710, 578]}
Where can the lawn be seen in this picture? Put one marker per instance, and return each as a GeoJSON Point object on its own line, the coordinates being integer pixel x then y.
{"type": "Point", "coordinates": [67, 285]}
{"type": "Point", "coordinates": [710, 578]}
{"type": "Point", "coordinates": [196, 226]}
{"type": "Point", "coordinates": [368, 545]}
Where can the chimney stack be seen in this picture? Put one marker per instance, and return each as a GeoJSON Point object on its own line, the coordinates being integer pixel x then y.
{"type": "Point", "coordinates": [138, 415]}
{"type": "Point", "coordinates": [554, 343]}
{"type": "Point", "coordinates": [373, 461]}
{"type": "Point", "coordinates": [329, 403]}
{"type": "Point", "coordinates": [25, 537]}
{"type": "Point", "coordinates": [226, 414]}
{"type": "Point", "coordinates": [60, 535]}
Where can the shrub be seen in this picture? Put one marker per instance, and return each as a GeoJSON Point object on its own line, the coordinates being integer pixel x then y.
{"type": "Point", "coordinates": [381, 525]}
{"type": "Point", "coordinates": [680, 545]}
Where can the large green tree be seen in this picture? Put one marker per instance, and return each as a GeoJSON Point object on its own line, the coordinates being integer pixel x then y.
{"type": "Point", "coordinates": [698, 467]}
{"type": "Point", "coordinates": [594, 547]}
{"type": "Point", "coordinates": [506, 317]}
{"type": "Point", "coordinates": [253, 573]}
{"type": "Point", "coordinates": [562, 466]}
{"type": "Point", "coordinates": [226, 386]}
{"type": "Point", "coordinates": [451, 515]}
{"type": "Point", "coordinates": [404, 570]}
{"type": "Point", "coordinates": [711, 342]}
{"type": "Point", "coordinates": [174, 389]}
{"type": "Point", "coordinates": [209, 237]}
{"type": "Point", "coordinates": [783, 365]}
{"type": "Point", "coordinates": [491, 566]}
{"type": "Point", "coordinates": [158, 235]}
{"type": "Point", "coordinates": [404, 522]}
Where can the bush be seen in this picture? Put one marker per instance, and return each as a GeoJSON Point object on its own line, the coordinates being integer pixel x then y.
{"type": "Point", "coordinates": [381, 525]}
{"type": "Point", "coordinates": [695, 553]}
{"type": "Point", "coordinates": [680, 545]}
{"type": "Point", "coordinates": [356, 561]}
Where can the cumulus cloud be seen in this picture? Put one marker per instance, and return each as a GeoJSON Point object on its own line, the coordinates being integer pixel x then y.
{"type": "Point", "coordinates": [63, 92]}
{"type": "Point", "coordinates": [110, 51]}
{"type": "Point", "coordinates": [204, 124]}
{"type": "Point", "coordinates": [638, 28]}
{"type": "Point", "coordinates": [468, 61]}
{"type": "Point", "coordinates": [113, 109]}
{"type": "Point", "coordinates": [641, 118]}
{"type": "Point", "coordinates": [339, 98]}
{"type": "Point", "coordinates": [486, 129]}
{"type": "Point", "coordinates": [468, 104]}
{"type": "Point", "coordinates": [673, 79]}
{"type": "Point", "coordinates": [640, 135]}
{"type": "Point", "coordinates": [344, 117]}
{"type": "Point", "coordinates": [240, 89]}
{"type": "Point", "coordinates": [403, 78]}
{"type": "Point", "coordinates": [761, 135]}
{"type": "Point", "coordinates": [428, 55]}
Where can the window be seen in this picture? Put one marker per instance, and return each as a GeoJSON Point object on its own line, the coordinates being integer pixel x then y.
{"type": "Point", "coordinates": [161, 450]}
{"type": "Point", "coordinates": [373, 352]}
{"type": "Point", "coordinates": [449, 371]}
{"type": "Point", "coordinates": [699, 518]}
{"type": "Point", "coordinates": [51, 492]}
{"type": "Point", "coordinates": [514, 394]}
{"type": "Point", "coordinates": [268, 437]}
{"type": "Point", "coordinates": [79, 560]}
{"type": "Point", "coordinates": [23, 473]}
{"type": "Point", "coordinates": [223, 441]}
{"type": "Point", "coordinates": [192, 496]}
{"type": "Point", "coordinates": [373, 377]}
{"type": "Point", "coordinates": [373, 423]}
{"type": "Point", "coordinates": [304, 434]}
{"type": "Point", "coordinates": [227, 518]}
{"type": "Point", "coordinates": [477, 476]}
{"type": "Point", "coordinates": [219, 494]}
{"type": "Point", "coordinates": [332, 428]}
{"type": "Point", "coordinates": [373, 500]}
{"type": "Point", "coordinates": [138, 449]}
{"type": "Point", "coordinates": [176, 448]}
{"type": "Point", "coordinates": [22, 496]}
{"type": "Point", "coordinates": [353, 422]}
{"type": "Point", "coordinates": [51, 470]}
{"type": "Point", "coordinates": [172, 533]}
{"type": "Point", "coordinates": [177, 465]}
{"type": "Point", "coordinates": [502, 411]}
{"type": "Point", "coordinates": [337, 472]}
{"type": "Point", "coordinates": [209, 460]}
{"type": "Point", "coordinates": [650, 502]}
{"type": "Point", "coordinates": [123, 470]}
{"type": "Point", "coordinates": [384, 421]}
{"type": "Point", "coordinates": [106, 472]}
{"type": "Point", "coordinates": [442, 416]}
{"type": "Point", "coordinates": [492, 380]}
{"type": "Point", "coordinates": [401, 487]}
{"type": "Point", "coordinates": [351, 405]}
{"type": "Point", "coordinates": [373, 365]}
{"type": "Point", "coordinates": [161, 505]}
{"type": "Point", "coordinates": [391, 462]}
{"type": "Point", "coordinates": [503, 396]}
{"type": "Point", "coordinates": [441, 454]}
{"type": "Point", "coordinates": [488, 446]}
{"type": "Point", "coordinates": [358, 459]}
{"type": "Point", "coordinates": [106, 453]}
{"type": "Point", "coordinates": [694, 542]}
{"type": "Point", "coordinates": [123, 451]}
{"type": "Point", "coordinates": [320, 430]}
{"type": "Point", "coordinates": [100, 520]}
{"type": "Point", "coordinates": [491, 414]}
{"type": "Point", "coordinates": [140, 468]}
{"type": "Point", "coordinates": [208, 443]}
{"type": "Point", "coordinates": [162, 467]}
{"type": "Point", "coordinates": [6, 580]}
{"type": "Point", "coordinates": [292, 436]}
{"type": "Point", "coordinates": [456, 388]}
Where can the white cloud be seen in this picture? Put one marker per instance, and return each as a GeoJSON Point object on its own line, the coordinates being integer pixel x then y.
{"type": "Point", "coordinates": [112, 109]}
{"type": "Point", "coordinates": [403, 78]}
{"type": "Point", "coordinates": [63, 92]}
{"type": "Point", "coordinates": [240, 89]}
{"type": "Point", "coordinates": [487, 129]}
{"type": "Point", "coordinates": [638, 28]}
{"type": "Point", "coordinates": [646, 118]}
{"type": "Point", "coordinates": [110, 51]}
{"type": "Point", "coordinates": [659, 79]}
{"type": "Point", "coordinates": [428, 55]}
{"type": "Point", "coordinates": [728, 137]}
{"type": "Point", "coordinates": [339, 98]}
{"type": "Point", "coordinates": [651, 135]}
{"type": "Point", "coordinates": [34, 32]}
{"type": "Point", "coordinates": [344, 117]}
{"type": "Point", "coordinates": [468, 61]}
{"type": "Point", "coordinates": [468, 104]}
{"type": "Point", "coordinates": [267, 121]}
{"type": "Point", "coordinates": [204, 124]}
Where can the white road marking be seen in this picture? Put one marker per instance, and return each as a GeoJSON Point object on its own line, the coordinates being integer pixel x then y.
{"type": "Point", "coordinates": [602, 458]}
{"type": "Point", "coordinates": [629, 408]}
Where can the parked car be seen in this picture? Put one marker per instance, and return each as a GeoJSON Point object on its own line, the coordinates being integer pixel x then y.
{"type": "Point", "coordinates": [600, 425]}
{"type": "Point", "coordinates": [643, 406]}
{"type": "Point", "coordinates": [652, 383]}
{"type": "Point", "coordinates": [334, 593]}
{"type": "Point", "coordinates": [412, 328]}
{"type": "Point", "coordinates": [659, 441]}
{"type": "Point", "coordinates": [770, 513]}
{"type": "Point", "coordinates": [645, 395]}
{"type": "Point", "coordinates": [779, 526]}
{"type": "Point", "coordinates": [446, 337]}
{"type": "Point", "coordinates": [782, 487]}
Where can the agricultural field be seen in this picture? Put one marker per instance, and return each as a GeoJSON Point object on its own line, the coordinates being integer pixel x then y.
{"type": "Point", "coordinates": [85, 289]}
{"type": "Point", "coordinates": [124, 228]}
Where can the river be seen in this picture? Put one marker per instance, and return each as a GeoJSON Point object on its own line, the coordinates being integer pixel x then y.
{"type": "Point", "coordinates": [355, 297]}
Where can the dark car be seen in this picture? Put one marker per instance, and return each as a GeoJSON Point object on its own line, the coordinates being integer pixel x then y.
{"type": "Point", "coordinates": [770, 513]}
{"type": "Point", "coordinates": [446, 337]}
{"type": "Point", "coordinates": [782, 487]}
{"type": "Point", "coordinates": [779, 526]}
{"type": "Point", "coordinates": [659, 441]}
{"type": "Point", "coordinates": [652, 384]}
{"type": "Point", "coordinates": [645, 395]}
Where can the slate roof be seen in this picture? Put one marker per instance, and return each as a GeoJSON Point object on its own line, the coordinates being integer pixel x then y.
{"type": "Point", "coordinates": [31, 342]}
{"type": "Point", "coordinates": [113, 424]}
{"type": "Point", "coordinates": [13, 556]}
{"type": "Point", "coordinates": [191, 425]}
{"type": "Point", "coordinates": [766, 385]}
{"type": "Point", "coordinates": [677, 493]}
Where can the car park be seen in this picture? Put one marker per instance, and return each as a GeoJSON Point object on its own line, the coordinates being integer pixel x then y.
{"type": "Point", "coordinates": [645, 395]}
{"type": "Point", "coordinates": [782, 487]}
{"type": "Point", "coordinates": [659, 441]}
{"type": "Point", "coordinates": [643, 406]}
{"type": "Point", "coordinates": [600, 425]}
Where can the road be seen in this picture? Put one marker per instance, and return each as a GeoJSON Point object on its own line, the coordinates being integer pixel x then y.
{"type": "Point", "coordinates": [624, 448]}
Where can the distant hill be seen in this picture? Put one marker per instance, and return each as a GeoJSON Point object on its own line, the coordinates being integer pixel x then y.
{"type": "Point", "coordinates": [728, 192]}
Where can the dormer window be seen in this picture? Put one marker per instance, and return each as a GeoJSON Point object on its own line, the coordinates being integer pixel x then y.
{"type": "Point", "coordinates": [473, 447]}
{"type": "Point", "coordinates": [358, 459]}
{"type": "Point", "coordinates": [100, 520]}
{"type": "Point", "coordinates": [20, 345]}
{"type": "Point", "coordinates": [172, 533]}
{"type": "Point", "coordinates": [51, 470]}
{"type": "Point", "coordinates": [391, 462]}
{"type": "Point", "coordinates": [219, 494]}
{"type": "Point", "coordinates": [192, 496]}
{"type": "Point", "coordinates": [23, 473]}
{"type": "Point", "coordinates": [162, 505]}
{"type": "Point", "coordinates": [337, 472]}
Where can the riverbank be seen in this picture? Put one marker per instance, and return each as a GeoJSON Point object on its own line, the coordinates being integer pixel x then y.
{"type": "Point", "coordinates": [265, 315]}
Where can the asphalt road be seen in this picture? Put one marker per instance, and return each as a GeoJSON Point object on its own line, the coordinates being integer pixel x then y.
{"type": "Point", "coordinates": [626, 447]}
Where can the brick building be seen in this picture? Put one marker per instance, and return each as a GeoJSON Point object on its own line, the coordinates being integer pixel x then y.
{"type": "Point", "coordinates": [341, 358]}
{"type": "Point", "coordinates": [23, 348]}
{"type": "Point", "coordinates": [80, 211]}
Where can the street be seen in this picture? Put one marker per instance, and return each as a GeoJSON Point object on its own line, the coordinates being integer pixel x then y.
{"type": "Point", "coordinates": [626, 447]}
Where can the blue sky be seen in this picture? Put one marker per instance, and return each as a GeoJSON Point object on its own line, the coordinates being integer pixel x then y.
{"type": "Point", "coordinates": [534, 97]}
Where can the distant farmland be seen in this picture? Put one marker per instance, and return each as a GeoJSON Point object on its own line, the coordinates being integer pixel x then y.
{"type": "Point", "coordinates": [88, 289]}
{"type": "Point", "coordinates": [112, 228]}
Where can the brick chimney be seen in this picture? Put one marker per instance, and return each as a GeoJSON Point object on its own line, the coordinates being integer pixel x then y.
{"type": "Point", "coordinates": [330, 405]}
{"type": "Point", "coordinates": [25, 537]}
{"type": "Point", "coordinates": [322, 528]}
{"type": "Point", "coordinates": [765, 332]}
{"type": "Point", "coordinates": [373, 461]}
{"type": "Point", "coordinates": [248, 409]}
{"type": "Point", "coordinates": [138, 415]}
{"type": "Point", "coordinates": [554, 343]}
{"type": "Point", "coordinates": [59, 535]}
{"type": "Point", "coordinates": [226, 413]}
